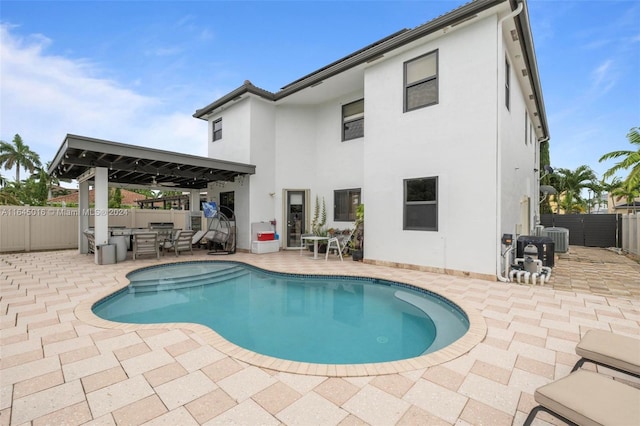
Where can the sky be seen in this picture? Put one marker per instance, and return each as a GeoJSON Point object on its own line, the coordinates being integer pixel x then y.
{"type": "Point", "coordinates": [136, 71]}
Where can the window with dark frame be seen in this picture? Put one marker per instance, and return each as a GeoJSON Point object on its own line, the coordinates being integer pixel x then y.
{"type": "Point", "coordinates": [227, 199]}
{"type": "Point", "coordinates": [345, 202]}
{"type": "Point", "coordinates": [421, 81]}
{"type": "Point", "coordinates": [421, 204]}
{"type": "Point", "coordinates": [217, 129]}
{"type": "Point", "coordinates": [353, 120]}
{"type": "Point", "coordinates": [507, 82]}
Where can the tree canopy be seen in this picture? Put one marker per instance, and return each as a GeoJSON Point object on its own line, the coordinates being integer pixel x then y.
{"type": "Point", "coordinates": [629, 159]}
{"type": "Point", "coordinates": [18, 154]}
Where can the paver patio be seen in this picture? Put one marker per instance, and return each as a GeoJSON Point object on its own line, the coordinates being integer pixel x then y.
{"type": "Point", "coordinates": [57, 368]}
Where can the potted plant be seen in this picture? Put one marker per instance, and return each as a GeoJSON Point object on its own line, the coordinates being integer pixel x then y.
{"type": "Point", "coordinates": [318, 223]}
{"type": "Point", "coordinates": [357, 243]}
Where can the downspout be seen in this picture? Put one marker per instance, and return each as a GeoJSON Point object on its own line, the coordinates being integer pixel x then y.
{"type": "Point", "coordinates": [537, 189]}
{"type": "Point", "coordinates": [499, 256]}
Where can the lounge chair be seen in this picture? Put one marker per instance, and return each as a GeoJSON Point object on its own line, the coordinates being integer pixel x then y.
{"type": "Point", "coordinates": [146, 243]}
{"type": "Point", "coordinates": [182, 241]}
{"type": "Point", "coordinates": [588, 398]}
{"type": "Point", "coordinates": [619, 353]}
{"type": "Point", "coordinates": [197, 237]}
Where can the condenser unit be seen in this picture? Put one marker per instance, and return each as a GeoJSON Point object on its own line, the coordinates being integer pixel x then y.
{"type": "Point", "coordinates": [560, 237]}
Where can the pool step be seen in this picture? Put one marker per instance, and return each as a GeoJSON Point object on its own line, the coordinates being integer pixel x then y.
{"type": "Point", "coordinates": [195, 280]}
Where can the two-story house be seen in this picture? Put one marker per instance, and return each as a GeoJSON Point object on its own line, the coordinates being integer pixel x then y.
{"type": "Point", "coordinates": [436, 129]}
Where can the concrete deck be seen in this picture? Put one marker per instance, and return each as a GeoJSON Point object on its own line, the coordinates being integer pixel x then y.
{"type": "Point", "coordinates": [61, 365]}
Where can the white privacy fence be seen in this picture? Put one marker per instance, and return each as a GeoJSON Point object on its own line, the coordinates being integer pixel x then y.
{"type": "Point", "coordinates": [55, 228]}
{"type": "Point", "coordinates": [631, 233]}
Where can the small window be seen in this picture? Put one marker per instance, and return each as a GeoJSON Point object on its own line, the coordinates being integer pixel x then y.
{"type": "Point", "coordinates": [345, 202]}
{"type": "Point", "coordinates": [421, 81]}
{"type": "Point", "coordinates": [217, 129]}
{"type": "Point", "coordinates": [421, 204]}
{"type": "Point", "coordinates": [353, 120]}
{"type": "Point", "coordinates": [507, 82]}
{"type": "Point", "coordinates": [531, 133]}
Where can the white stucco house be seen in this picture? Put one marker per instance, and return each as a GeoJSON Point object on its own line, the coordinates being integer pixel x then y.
{"type": "Point", "coordinates": [436, 129]}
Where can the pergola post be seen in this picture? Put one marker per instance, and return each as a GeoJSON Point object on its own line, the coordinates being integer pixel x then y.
{"type": "Point", "coordinates": [101, 218]}
{"type": "Point", "coordinates": [83, 215]}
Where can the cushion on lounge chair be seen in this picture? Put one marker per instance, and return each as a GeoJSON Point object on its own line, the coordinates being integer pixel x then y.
{"type": "Point", "coordinates": [611, 349]}
{"type": "Point", "coordinates": [588, 398]}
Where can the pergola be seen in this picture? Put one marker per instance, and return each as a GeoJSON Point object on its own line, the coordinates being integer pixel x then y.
{"type": "Point", "coordinates": [106, 163]}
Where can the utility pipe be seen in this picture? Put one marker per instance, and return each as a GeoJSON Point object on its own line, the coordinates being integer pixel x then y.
{"type": "Point", "coordinates": [498, 139]}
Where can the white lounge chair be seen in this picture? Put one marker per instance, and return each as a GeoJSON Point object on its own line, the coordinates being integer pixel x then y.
{"type": "Point", "coordinates": [614, 351]}
{"type": "Point", "coordinates": [588, 398]}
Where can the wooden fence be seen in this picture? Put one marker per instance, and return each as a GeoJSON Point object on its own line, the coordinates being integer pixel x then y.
{"type": "Point", "coordinates": [55, 228]}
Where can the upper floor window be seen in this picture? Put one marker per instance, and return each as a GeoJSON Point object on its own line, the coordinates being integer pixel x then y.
{"type": "Point", "coordinates": [217, 129]}
{"type": "Point", "coordinates": [353, 120]}
{"type": "Point", "coordinates": [345, 202]}
{"type": "Point", "coordinates": [421, 204]}
{"type": "Point", "coordinates": [507, 82]}
{"type": "Point", "coordinates": [421, 81]}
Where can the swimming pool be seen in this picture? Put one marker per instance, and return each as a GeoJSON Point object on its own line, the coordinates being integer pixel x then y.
{"type": "Point", "coordinates": [306, 318]}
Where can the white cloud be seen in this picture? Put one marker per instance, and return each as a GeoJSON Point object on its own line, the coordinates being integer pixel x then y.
{"type": "Point", "coordinates": [603, 77]}
{"type": "Point", "coordinates": [45, 96]}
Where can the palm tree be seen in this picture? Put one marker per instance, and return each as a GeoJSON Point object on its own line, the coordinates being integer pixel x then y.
{"type": "Point", "coordinates": [9, 194]}
{"type": "Point", "coordinates": [605, 187]}
{"type": "Point", "coordinates": [50, 180]}
{"type": "Point", "coordinates": [631, 160]}
{"type": "Point", "coordinates": [627, 192]}
{"type": "Point", "coordinates": [570, 185]}
{"type": "Point", "coordinates": [18, 155]}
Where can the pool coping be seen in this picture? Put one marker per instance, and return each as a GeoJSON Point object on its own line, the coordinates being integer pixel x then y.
{"type": "Point", "coordinates": [476, 334]}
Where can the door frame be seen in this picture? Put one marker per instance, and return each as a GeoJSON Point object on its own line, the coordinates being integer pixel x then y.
{"type": "Point", "coordinates": [285, 213]}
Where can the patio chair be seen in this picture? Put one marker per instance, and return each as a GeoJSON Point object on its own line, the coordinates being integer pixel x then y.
{"type": "Point", "coordinates": [614, 351]}
{"type": "Point", "coordinates": [146, 243]}
{"type": "Point", "coordinates": [339, 244]}
{"type": "Point", "coordinates": [197, 237]}
{"type": "Point", "coordinates": [182, 241]}
{"type": "Point", "coordinates": [588, 398]}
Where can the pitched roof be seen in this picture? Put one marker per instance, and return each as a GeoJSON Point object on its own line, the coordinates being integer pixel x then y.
{"type": "Point", "coordinates": [129, 198]}
{"type": "Point", "coordinates": [394, 41]}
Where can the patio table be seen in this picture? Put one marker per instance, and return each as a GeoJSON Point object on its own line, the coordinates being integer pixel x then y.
{"type": "Point", "coordinates": [315, 239]}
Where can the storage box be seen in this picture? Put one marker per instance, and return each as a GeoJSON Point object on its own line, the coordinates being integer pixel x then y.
{"type": "Point", "coordinates": [261, 247]}
{"type": "Point", "coordinates": [266, 236]}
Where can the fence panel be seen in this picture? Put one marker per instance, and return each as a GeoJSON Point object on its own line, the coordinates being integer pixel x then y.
{"type": "Point", "coordinates": [590, 230]}
{"type": "Point", "coordinates": [55, 228]}
{"type": "Point", "coordinates": [631, 233]}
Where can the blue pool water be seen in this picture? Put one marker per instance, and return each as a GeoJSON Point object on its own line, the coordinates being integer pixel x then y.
{"type": "Point", "coordinates": [317, 319]}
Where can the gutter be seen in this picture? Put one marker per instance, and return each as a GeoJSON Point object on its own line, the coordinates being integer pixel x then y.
{"type": "Point", "coordinates": [364, 55]}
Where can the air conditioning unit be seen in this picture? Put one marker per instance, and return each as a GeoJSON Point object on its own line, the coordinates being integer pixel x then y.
{"type": "Point", "coordinates": [560, 237]}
